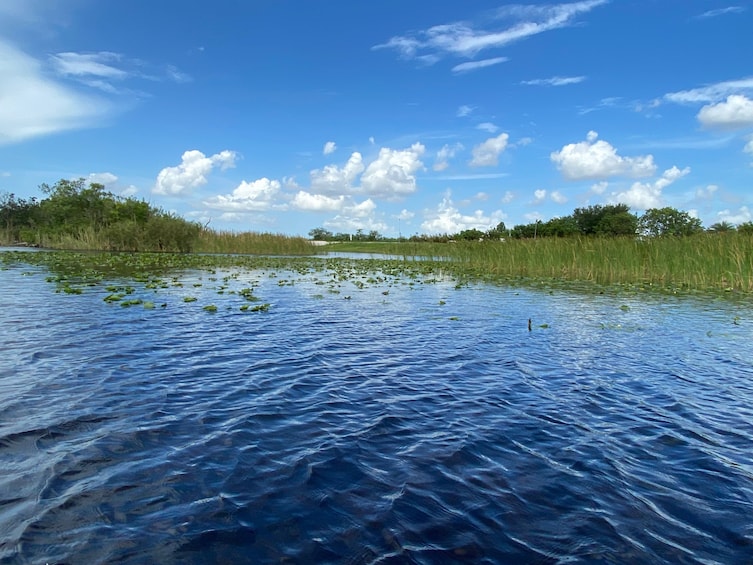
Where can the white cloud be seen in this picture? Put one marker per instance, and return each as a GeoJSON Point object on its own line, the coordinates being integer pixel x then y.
{"type": "Point", "coordinates": [554, 81]}
{"type": "Point", "coordinates": [405, 215]}
{"type": "Point", "coordinates": [101, 178]}
{"type": "Point", "coordinates": [445, 154]}
{"type": "Point", "coordinates": [711, 93]}
{"type": "Point", "coordinates": [734, 113]}
{"type": "Point", "coordinates": [392, 174]}
{"type": "Point", "coordinates": [317, 202]}
{"type": "Point", "coordinates": [539, 196]}
{"type": "Point", "coordinates": [507, 197]}
{"type": "Point", "coordinates": [749, 147]}
{"type": "Point", "coordinates": [643, 196]}
{"type": "Point", "coordinates": [256, 196]}
{"type": "Point", "coordinates": [357, 217]}
{"type": "Point", "coordinates": [448, 219]}
{"type": "Point", "coordinates": [706, 193]}
{"type": "Point", "coordinates": [88, 64]}
{"type": "Point", "coordinates": [597, 159]}
{"type": "Point", "coordinates": [460, 39]}
{"type": "Point", "coordinates": [600, 187]}
{"type": "Point", "coordinates": [740, 217]}
{"type": "Point", "coordinates": [487, 153]}
{"type": "Point", "coordinates": [192, 172]}
{"type": "Point", "coordinates": [464, 111]}
{"type": "Point", "coordinates": [335, 180]}
{"type": "Point", "coordinates": [475, 65]}
{"type": "Point", "coordinates": [33, 105]}
{"type": "Point", "coordinates": [558, 197]}
{"type": "Point", "coordinates": [329, 148]}
{"type": "Point", "coordinates": [487, 126]}
{"type": "Point", "coordinates": [721, 12]}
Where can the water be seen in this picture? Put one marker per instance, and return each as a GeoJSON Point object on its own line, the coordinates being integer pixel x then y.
{"type": "Point", "coordinates": [425, 425]}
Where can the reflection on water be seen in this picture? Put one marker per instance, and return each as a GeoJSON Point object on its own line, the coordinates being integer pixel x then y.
{"type": "Point", "coordinates": [389, 422]}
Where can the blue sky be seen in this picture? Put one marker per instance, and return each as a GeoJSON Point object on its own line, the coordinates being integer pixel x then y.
{"type": "Point", "coordinates": [397, 116]}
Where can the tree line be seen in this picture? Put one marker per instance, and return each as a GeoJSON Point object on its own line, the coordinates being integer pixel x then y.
{"type": "Point", "coordinates": [73, 210]}
{"type": "Point", "coordinates": [611, 220]}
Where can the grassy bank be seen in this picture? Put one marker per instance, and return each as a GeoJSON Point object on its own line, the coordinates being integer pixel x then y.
{"type": "Point", "coordinates": [705, 262]}
{"type": "Point", "coordinates": [708, 263]}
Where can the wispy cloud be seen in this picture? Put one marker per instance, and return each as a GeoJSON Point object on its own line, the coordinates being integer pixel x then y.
{"type": "Point", "coordinates": [475, 65]}
{"type": "Point", "coordinates": [463, 39]}
{"type": "Point", "coordinates": [720, 12]}
{"type": "Point", "coordinates": [105, 70]}
{"type": "Point", "coordinates": [712, 92]}
{"type": "Point", "coordinates": [554, 81]}
{"type": "Point", "coordinates": [34, 105]}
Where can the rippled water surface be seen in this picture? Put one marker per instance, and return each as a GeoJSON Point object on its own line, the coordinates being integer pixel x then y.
{"type": "Point", "coordinates": [390, 421]}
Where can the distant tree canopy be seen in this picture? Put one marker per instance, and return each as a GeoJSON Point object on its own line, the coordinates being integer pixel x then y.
{"type": "Point", "coordinates": [74, 209]}
{"type": "Point", "coordinates": [668, 221]}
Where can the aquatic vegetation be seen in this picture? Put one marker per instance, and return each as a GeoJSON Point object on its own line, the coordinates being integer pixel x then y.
{"type": "Point", "coordinates": [210, 308]}
{"type": "Point", "coordinates": [189, 299]}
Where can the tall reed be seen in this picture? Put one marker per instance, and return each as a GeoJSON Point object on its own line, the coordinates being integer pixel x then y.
{"type": "Point", "coordinates": [211, 241]}
{"type": "Point", "coordinates": [708, 261]}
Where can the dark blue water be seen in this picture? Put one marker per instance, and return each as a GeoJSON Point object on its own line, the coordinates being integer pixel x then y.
{"type": "Point", "coordinates": [408, 423]}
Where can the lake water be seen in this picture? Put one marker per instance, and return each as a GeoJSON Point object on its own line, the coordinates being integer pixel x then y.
{"type": "Point", "coordinates": [375, 420]}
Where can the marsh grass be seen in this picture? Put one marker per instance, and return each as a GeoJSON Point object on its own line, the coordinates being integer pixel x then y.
{"type": "Point", "coordinates": [708, 263]}
{"type": "Point", "coordinates": [705, 262]}
{"type": "Point", "coordinates": [253, 243]}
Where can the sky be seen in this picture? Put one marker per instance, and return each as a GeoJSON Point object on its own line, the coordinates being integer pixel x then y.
{"type": "Point", "coordinates": [401, 116]}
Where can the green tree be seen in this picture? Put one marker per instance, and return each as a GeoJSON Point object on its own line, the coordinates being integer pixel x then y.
{"type": "Point", "coordinates": [721, 227]}
{"type": "Point", "coordinates": [469, 235]}
{"type": "Point", "coordinates": [497, 232]}
{"type": "Point", "coordinates": [746, 228]}
{"type": "Point", "coordinates": [611, 219]}
{"type": "Point", "coordinates": [666, 221]}
{"type": "Point", "coordinates": [320, 234]}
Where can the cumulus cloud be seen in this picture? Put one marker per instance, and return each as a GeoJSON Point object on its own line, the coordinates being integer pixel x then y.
{"type": "Point", "coordinates": [558, 197]}
{"type": "Point", "coordinates": [554, 81]}
{"type": "Point", "coordinates": [597, 159]}
{"type": "Point", "coordinates": [329, 147]}
{"type": "Point", "coordinates": [539, 196]}
{"type": "Point", "coordinates": [599, 187]}
{"type": "Point", "coordinates": [475, 65]}
{"type": "Point", "coordinates": [464, 111]}
{"type": "Point", "coordinates": [448, 219]}
{"type": "Point", "coordinates": [317, 202]}
{"type": "Point", "coordinates": [405, 215]}
{"type": "Point", "coordinates": [256, 196]}
{"type": "Point", "coordinates": [740, 217]}
{"type": "Point", "coordinates": [335, 180]}
{"type": "Point", "coordinates": [192, 172]}
{"type": "Point", "coordinates": [487, 153]}
{"type": "Point", "coordinates": [735, 112]}
{"type": "Point", "coordinates": [34, 105]}
{"type": "Point", "coordinates": [354, 217]}
{"type": "Point", "coordinates": [464, 40]}
{"type": "Point", "coordinates": [392, 174]}
{"type": "Point", "coordinates": [645, 195]}
{"type": "Point", "coordinates": [106, 179]}
{"type": "Point", "coordinates": [445, 154]}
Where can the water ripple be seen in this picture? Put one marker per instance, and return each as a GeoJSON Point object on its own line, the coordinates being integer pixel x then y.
{"type": "Point", "coordinates": [426, 425]}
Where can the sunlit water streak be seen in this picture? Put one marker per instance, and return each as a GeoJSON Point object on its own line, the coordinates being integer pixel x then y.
{"type": "Point", "coordinates": [382, 428]}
